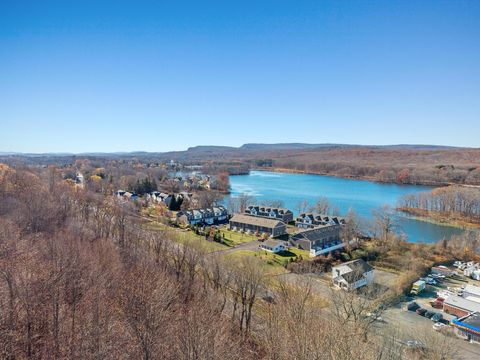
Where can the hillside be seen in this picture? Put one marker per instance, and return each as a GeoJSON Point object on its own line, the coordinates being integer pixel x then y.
{"type": "Point", "coordinates": [414, 164]}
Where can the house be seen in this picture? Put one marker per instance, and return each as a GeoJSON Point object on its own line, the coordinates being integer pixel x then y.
{"type": "Point", "coordinates": [254, 224]}
{"type": "Point", "coordinates": [126, 195]}
{"type": "Point", "coordinates": [311, 220]}
{"type": "Point", "coordinates": [172, 201]}
{"type": "Point", "coordinates": [319, 240]}
{"type": "Point", "coordinates": [352, 275]}
{"type": "Point", "coordinates": [459, 306]}
{"type": "Point", "coordinates": [468, 327]}
{"type": "Point", "coordinates": [475, 275]}
{"type": "Point", "coordinates": [208, 216]}
{"type": "Point", "coordinates": [471, 292]}
{"type": "Point", "coordinates": [157, 197]}
{"type": "Point", "coordinates": [274, 246]}
{"type": "Point", "coordinates": [284, 215]}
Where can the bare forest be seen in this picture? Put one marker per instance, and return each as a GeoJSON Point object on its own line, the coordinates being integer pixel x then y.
{"type": "Point", "coordinates": [81, 278]}
{"type": "Point", "coordinates": [450, 204]}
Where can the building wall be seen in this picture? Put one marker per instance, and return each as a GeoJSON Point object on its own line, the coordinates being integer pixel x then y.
{"type": "Point", "coordinates": [471, 296]}
{"type": "Point", "coordinates": [275, 249]}
{"type": "Point", "coordinates": [467, 335]}
{"type": "Point", "coordinates": [279, 230]}
{"type": "Point", "coordinates": [452, 310]}
{"type": "Point", "coordinates": [303, 244]}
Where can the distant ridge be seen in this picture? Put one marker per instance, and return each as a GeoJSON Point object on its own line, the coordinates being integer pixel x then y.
{"type": "Point", "coordinates": [249, 147]}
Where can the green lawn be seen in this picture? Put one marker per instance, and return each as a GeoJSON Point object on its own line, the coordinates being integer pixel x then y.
{"type": "Point", "coordinates": [187, 237]}
{"type": "Point", "coordinates": [272, 267]}
{"type": "Point", "coordinates": [305, 255]}
{"type": "Point", "coordinates": [190, 238]}
{"type": "Point", "coordinates": [281, 259]}
{"type": "Point", "coordinates": [271, 260]}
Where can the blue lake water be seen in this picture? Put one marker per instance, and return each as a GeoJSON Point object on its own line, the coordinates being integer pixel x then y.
{"type": "Point", "coordinates": [361, 195]}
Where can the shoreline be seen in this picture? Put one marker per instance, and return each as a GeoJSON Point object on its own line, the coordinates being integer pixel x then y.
{"type": "Point", "coordinates": [441, 220]}
{"type": "Point", "coordinates": [354, 177]}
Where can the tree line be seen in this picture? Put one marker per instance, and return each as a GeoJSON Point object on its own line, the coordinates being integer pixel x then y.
{"type": "Point", "coordinates": [451, 201]}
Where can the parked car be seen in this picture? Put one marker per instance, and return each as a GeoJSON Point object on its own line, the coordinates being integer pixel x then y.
{"type": "Point", "coordinates": [413, 306]}
{"type": "Point", "coordinates": [437, 317]}
{"type": "Point", "coordinates": [431, 281]}
{"type": "Point", "coordinates": [439, 326]}
{"type": "Point", "coordinates": [374, 316]}
{"type": "Point", "coordinates": [415, 344]}
{"type": "Point", "coordinates": [437, 303]}
{"type": "Point", "coordinates": [444, 321]}
{"type": "Point", "coordinates": [429, 314]}
{"type": "Point", "coordinates": [421, 311]}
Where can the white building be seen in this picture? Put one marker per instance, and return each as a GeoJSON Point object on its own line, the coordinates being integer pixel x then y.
{"type": "Point", "coordinates": [352, 275]}
{"type": "Point", "coordinates": [274, 246]}
{"type": "Point", "coordinates": [472, 293]}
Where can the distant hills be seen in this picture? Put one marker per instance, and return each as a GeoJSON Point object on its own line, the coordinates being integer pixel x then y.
{"type": "Point", "coordinates": [249, 147]}
{"type": "Point", "coordinates": [400, 163]}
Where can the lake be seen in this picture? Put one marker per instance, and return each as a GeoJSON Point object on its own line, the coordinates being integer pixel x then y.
{"type": "Point", "coordinates": [361, 195]}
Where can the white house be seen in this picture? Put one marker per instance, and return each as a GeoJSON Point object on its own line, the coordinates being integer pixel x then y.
{"type": "Point", "coordinates": [352, 275]}
{"type": "Point", "coordinates": [274, 246]}
{"type": "Point", "coordinates": [476, 275]}
{"type": "Point", "coordinates": [126, 195]}
{"type": "Point", "coordinates": [468, 271]}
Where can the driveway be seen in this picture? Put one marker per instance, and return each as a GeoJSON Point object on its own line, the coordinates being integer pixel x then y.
{"type": "Point", "coordinates": [251, 245]}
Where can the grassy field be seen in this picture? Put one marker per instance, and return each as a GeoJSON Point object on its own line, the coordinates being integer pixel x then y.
{"type": "Point", "coordinates": [236, 238]}
{"type": "Point", "coordinates": [273, 261]}
{"type": "Point", "coordinates": [190, 238]}
{"type": "Point", "coordinates": [186, 237]}
{"type": "Point", "coordinates": [271, 267]}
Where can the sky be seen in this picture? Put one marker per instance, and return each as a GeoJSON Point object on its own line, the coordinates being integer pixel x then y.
{"type": "Point", "coordinates": [85, 76]}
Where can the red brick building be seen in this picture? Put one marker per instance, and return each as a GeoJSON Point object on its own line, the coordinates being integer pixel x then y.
{"type": "Point", "coordinates": [460, 307]}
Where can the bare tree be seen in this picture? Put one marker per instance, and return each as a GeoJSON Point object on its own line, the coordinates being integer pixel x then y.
{"type": "Point", "coordinates": [302, 206]}
{"type": "Point", "coordinates": [248, 279]}
{"type": "Point", "coordinates": [384, 224]}
{"type": "Point", "coordinates": [208, 198]}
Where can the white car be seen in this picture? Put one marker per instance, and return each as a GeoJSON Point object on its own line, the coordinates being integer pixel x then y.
{"type": "Point", "coordinates": [439, 326]}
{"type": "Point", "coordinates": [415, 344]}
{"type": "Point", "coordinates": [375, 317]}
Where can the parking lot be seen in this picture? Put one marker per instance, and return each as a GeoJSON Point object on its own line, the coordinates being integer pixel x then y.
{"type": "Point", "coordinates": [408, 325]}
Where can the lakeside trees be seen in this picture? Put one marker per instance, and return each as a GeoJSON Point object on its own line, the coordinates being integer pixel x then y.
{"type": "Point", "coordinates": [455, 202]}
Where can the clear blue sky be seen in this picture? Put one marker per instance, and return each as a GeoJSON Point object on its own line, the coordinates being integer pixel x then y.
{"type": "Point", "coordinates": [98, 75]}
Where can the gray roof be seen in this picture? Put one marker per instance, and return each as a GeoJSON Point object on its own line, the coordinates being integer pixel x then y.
{"type": "Point", "coordinates": [314, 234]}
{"type": "Point", "coordinates": [272, 243]}
{"type": "Point", "coordinates": [359, 265]}
{"type": "Point", "coordinates": [322, 217]}
{"type": "Point", "coordinates": [357, 269]}
{"type": "Point", "coordinates": [472, 320]}
{"type": "Point", "coordinates": [256, 221]}
{"type": "Point", "coordinates": [461, 303]}
{"type": "Point", "coordinates": [280, 210]}
{"type": "Point", "coordinates": [472, 289]}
